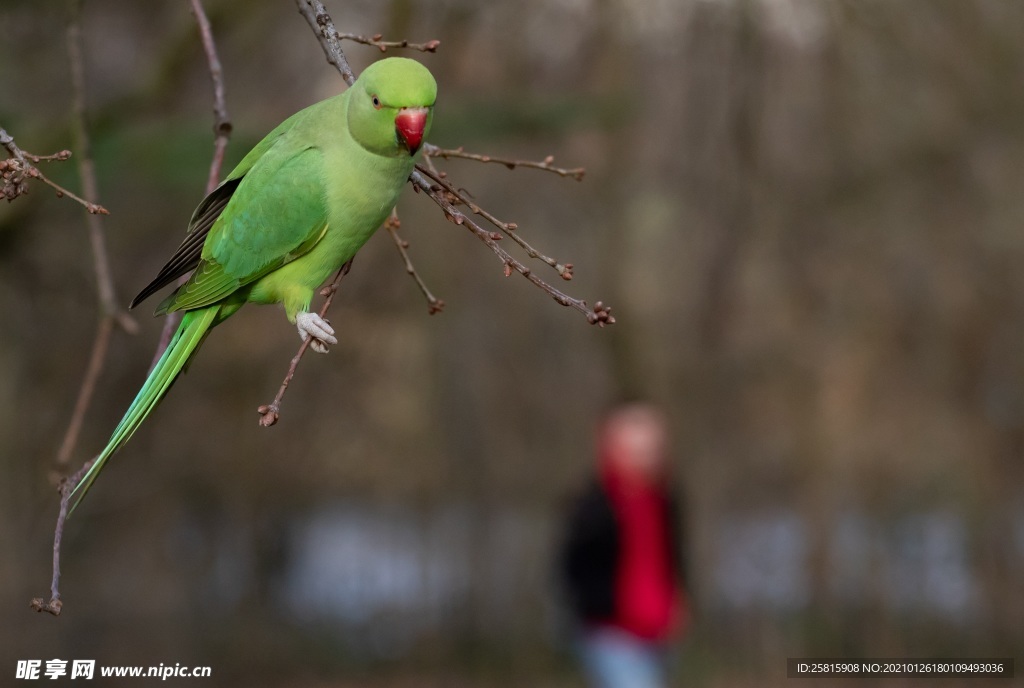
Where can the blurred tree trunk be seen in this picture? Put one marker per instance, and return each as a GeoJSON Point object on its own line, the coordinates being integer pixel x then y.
{"type": "Point", "coordinates": [615, 73]}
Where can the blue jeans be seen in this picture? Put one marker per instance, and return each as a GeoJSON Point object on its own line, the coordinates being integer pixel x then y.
{"type": "Point", "coordinates": [615, 658]}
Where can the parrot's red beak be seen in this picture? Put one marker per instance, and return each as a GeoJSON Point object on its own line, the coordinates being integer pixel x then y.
{"type": "Point", "coordinates": [409, 124]}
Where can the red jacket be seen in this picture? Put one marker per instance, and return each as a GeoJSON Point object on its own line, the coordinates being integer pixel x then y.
{"type": "Point", "coordinates": [621, 561]}
{"type": "Point", "coordinates": [647, 594]}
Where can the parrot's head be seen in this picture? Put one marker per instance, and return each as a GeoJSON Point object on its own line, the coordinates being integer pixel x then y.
{"type": "Point", "coordinates": [391, 106]}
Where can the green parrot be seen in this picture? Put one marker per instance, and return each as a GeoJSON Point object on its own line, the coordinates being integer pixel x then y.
{"type": "Point", "coordinates": [297, 207]}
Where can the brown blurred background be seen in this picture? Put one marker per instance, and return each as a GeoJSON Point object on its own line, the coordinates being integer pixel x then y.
{"type": "Point", "coordinates": [807, 215]}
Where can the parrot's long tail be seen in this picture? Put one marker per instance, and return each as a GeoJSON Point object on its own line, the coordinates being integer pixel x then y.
{"type": "Point", "coordinates": [195, 325]}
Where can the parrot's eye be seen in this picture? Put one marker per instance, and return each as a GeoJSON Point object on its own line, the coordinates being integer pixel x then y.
{"type": "Point", "coordinates": [376, 102]}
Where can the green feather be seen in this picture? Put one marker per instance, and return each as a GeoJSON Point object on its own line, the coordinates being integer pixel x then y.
{"type": "Point", "coordinates": [193, 329]}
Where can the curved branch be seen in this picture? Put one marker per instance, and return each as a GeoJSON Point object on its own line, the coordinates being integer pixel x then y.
{"type": "Point", "coordinates": [222, 134]}
{"type": "Point", "coordinates": [393, 224]}
{"type": "Point", "coordinates": [55, 605]}
{"type": "Point", "coordinates": [270, 413]}
{"type": "Point", "coordinates": [110, 314]}
{"type": "Point", "coordinates": [221, 121]}
{"type": "Point", "coordinates": [598, 315]}
{"type": "Point", "coordinates": [15, 169]}
{"type": "Point", "coordinates": [321, 23]}
{"type": "Point", "coordinates": [432, 151]}
{"type": "Point", "coordinates": [87, 171]}
{"type": "Point", "coordinates": [377, 41]}
{"type": "Point", "coordinates": [508, 228]}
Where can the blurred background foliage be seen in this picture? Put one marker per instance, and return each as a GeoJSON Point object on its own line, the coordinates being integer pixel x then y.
{"type": "Point", "coordinates": [806, 213]}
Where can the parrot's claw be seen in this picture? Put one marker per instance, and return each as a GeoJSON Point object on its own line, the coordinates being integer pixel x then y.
{"type": "Point", "coordinates": [318, 346]}
{"type": "Point", "coordinates": [312, 325]}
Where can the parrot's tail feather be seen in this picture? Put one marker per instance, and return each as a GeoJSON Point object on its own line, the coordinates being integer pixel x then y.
{"type": "Point", "coordinates": [195, 325]}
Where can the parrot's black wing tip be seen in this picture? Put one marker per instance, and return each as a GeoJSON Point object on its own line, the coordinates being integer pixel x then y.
{"type": "Point", "coordinates": [189, 254]}
{"type": "Point", "coordinates": [142, 295]}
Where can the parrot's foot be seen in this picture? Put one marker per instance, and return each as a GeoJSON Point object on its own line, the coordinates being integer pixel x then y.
{"type": "Point", "coordinates": [312, 325]}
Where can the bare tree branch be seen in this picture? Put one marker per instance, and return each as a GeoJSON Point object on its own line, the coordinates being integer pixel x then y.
{"type": "Point", "coordinates": [460, 196]}
{"type": "Point", "coordinates": [432, 151]}
{"type": "Point", "coordinates": [67, 485]}
{"type": "Point", "coordinates": [14, 170]}
{"type": "Point", "coordinates": [221, 120]}
{"type": "Point", "coordinates": [377, 41]}
{"type": "Point", "coordinates": [393, 224]}
{"type": "Point", "coordinates": [316, 15]}
{"type": "Point", "coordinates": [110, 313]}
{"type": "Point", "coordinates": [87, 171]}
{"type": "Point", "coordinates": [269, 413]}
{"type": "Point", "coordinates": [222, 134]}
{"type": "Point", "coordinates": [55, 605]}
{"type": "Point", "coordinates": [599, 314]}
{"type": "Point", "coordinates": [97, 360]}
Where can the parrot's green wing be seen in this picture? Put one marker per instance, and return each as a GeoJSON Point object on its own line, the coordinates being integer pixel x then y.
{"type": "Point", "coordinates": [188, 255]}
{"type": "Point", "coordinates": [276, 213]}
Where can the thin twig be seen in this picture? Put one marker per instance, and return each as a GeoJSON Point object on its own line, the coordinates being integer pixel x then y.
{"type": "Point", "coordinates": [393, 224]}
{"type": "Point", "coordinates": [97, 358]}
{"type": "Point", "coordinates": [221, 120]}
{"type": "Point", "coordinates": [87, 171]}
{"type": "Point", "coordinates": [508, 228]}
{"type": "Point", "coordinates": [599, 314]}
{"type": "Point", "coordinates": [58, 156]}
{"type": "Point", "coordinates": [432, 151]}
{"type": "Point", "coordinates": [330, 38]}
{"type": "Point", "coordinates": [377, 41]}
{"type": "Point", "coordinates": [222, 133]}
{"type": "Point", "coordinates": [269, 413]}
{"type": "Point", "coordinates": [110, 314]}
{"type": "Point", "coordinates": [65, 488]}
{"type": "Point", "coordinates": [316, 15]}
{"type": "Point", "coordinates": [15, 169]}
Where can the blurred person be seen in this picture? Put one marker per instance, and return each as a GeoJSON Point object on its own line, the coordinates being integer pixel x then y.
{"type": "Point", "coordinates": [621, 562]}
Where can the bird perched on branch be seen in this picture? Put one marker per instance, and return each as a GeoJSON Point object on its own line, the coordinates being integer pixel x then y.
{"type": "Point", "coordinates": [297, 207]}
